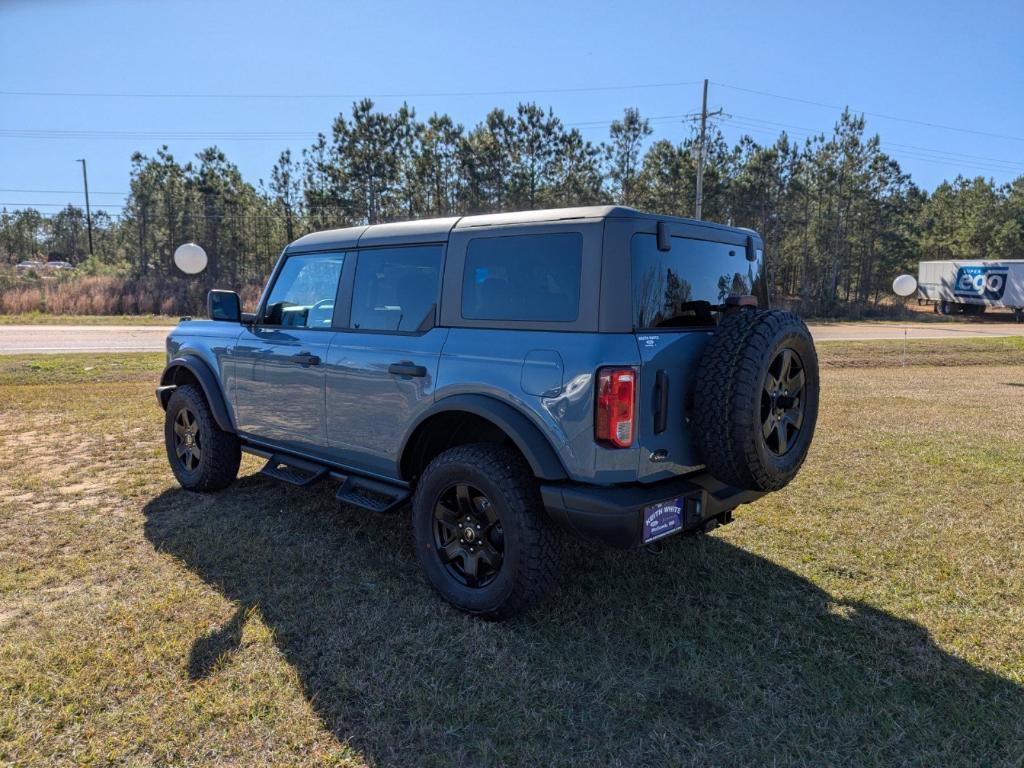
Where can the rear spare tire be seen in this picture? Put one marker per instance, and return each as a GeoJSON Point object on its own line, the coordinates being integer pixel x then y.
{"type": "Point", "coordinates": [756, 399]}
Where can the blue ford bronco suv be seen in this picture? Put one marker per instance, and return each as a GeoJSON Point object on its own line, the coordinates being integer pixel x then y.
{"type": "Point", "coordinates": [612, 373]}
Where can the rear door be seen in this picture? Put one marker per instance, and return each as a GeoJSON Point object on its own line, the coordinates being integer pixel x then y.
{"type": "Point", "coordinates": [381, 369]}
{"type": "Point", "coordinates": [279, 371]}
{"type": "Point", "coordinates": [675, 293]}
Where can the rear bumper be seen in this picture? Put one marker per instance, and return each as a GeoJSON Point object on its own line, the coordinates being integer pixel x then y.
{"type": "Point", "coordinates": [614, 515]}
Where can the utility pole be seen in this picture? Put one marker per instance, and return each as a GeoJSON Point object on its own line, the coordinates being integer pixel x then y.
{"type": "Point", "coordinates": [704, 115]}
{"type": "Point", "coordinates": [88, 213]}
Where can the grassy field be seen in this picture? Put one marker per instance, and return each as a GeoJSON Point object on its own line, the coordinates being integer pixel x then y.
{"type": "Point", "coordinates": [870, 614]}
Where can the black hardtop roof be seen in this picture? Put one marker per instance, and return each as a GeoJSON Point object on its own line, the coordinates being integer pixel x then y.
{"type": "Point", "coordinates": [438, 230]}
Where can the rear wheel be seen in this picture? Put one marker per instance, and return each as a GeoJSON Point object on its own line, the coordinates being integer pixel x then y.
{"type": "Point", "coordinates": [202, 456]}
{"type": "Point", "coordinates": [480, 531]}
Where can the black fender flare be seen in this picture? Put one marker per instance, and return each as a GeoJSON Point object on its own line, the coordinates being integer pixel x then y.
{"type": "Point", "coordinates": [207, 380]}
{"type": "Point", "coordinates": [528, 438]}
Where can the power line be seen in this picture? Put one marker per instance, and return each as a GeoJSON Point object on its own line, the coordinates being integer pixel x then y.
{"type": "Point", "coordinates": [879, 115]}
{"type": "Point", "coordinates": [812, 131]}
{"type": "Point", "coordinates": [61, 191]}
{"type": "Point", "coordinates": [409, 95]}
{"type": "Point", "coordinates": [910, 151]}
{"type": "Point", "coordinates": [62, 205]}
{"type": "Point", "coordinates": [32, 133]}
{"type": "Point", "coordinates": [59, 133]}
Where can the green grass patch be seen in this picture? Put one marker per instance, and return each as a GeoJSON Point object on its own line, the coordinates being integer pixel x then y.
{"type": "Point", "coordinates": [80, 368]}
{"type": "Point", "coordinates": [1007, 350]}
{"type": "Point", "coordinates": [870, 614]}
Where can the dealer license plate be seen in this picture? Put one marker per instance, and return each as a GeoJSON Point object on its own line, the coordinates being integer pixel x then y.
{"type": "Point", "coordinates": [663, 518]}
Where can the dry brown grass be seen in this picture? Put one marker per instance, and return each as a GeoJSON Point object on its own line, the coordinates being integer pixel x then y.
{"type": "Point", "coordinates": [870, 614]}
{"type": "Point", "coordinates": [99, 295]}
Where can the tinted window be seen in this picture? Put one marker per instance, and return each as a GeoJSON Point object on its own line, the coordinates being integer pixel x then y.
{"type": "Point", "coordinates": [524, 277]}
{"type": "Point", "coordinates": [396, 288]}
{"type": "Point", "coordinates": [303, 294]}
{"type": "Point", "coordinates": [678, 288]}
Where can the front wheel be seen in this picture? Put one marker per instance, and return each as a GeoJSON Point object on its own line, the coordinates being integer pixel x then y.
{"type": "Point", "coordinates": [202, 456]}
{"type": "Point", "coordinates": [480, 532]}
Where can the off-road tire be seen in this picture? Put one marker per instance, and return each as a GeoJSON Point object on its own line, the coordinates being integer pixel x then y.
{"type": "Point", "coordinates": [731, 376]}
{"type": "Point", "coordinates": [221, 452]}
{"type": "Point", "coordinates": [529, 566]}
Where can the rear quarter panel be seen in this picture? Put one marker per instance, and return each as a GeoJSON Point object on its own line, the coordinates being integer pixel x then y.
{"type": "Point", "coordinates": [549, 377]}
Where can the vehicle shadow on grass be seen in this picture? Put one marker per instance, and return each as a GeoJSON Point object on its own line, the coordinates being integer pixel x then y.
{"type": "Point", "coordinates": [706, 654]}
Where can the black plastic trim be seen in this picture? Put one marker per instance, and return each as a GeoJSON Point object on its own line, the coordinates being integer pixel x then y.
{"type": "Point", "coordinates": [530, 441]}
{"type": "Point", "coordinates": [338, 471]}
{"type": "Point", "coordinates": [613, 515]}
{"type": "Point", "coordinates": [207, 380]}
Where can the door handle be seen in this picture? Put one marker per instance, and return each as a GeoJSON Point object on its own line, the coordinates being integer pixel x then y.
{"type": "Point", "coordinates": [660, 402]}
{"type": "Point", "coordinates": [306, 358]}
{"type": "Point", "coordinates": [406, 368]}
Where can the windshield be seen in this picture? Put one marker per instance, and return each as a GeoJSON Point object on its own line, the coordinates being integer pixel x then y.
{"type": "Point", "coordinates": [680, 288]}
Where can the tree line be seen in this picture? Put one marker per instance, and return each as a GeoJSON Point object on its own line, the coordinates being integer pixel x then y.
{"type": "Point", "coordinates": [838, 215]}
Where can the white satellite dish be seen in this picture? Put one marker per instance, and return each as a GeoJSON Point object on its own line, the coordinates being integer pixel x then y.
{"type": "Point", "coordinates": [190, 258]}
{"type": "Point", "coordinates": [904, 285]}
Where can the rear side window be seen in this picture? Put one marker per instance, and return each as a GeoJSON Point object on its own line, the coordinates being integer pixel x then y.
{"type": "Point", "coordinates": [679, 287]}
{"type": "Point", "coordinates": [303, 294]}
{"type": "Point", "coordinates": [523, 277]}
{"type": "Point", "coordinates": [396, 289]}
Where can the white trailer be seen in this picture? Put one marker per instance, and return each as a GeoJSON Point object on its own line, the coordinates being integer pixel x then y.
{"type": "Point", "coordinates": [971, 287]}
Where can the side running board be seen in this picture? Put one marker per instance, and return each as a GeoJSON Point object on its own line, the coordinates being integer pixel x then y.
{"type": "Point", "coordinates": [364, 492]}
{"type": "Point", "coordinates": [373, 495]}
{"type": "Point", "coordinates": [293, 470]}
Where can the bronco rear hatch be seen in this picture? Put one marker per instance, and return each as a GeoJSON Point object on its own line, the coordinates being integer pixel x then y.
{"type": "Point", "coordinates": [680, 286]}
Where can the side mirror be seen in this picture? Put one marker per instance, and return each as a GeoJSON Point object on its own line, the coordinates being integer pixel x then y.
{"type": "Point", "coordinates": [224, 305]}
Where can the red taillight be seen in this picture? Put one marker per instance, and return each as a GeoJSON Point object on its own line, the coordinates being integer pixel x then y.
{"type": "Point", "coordinates": [613, 420]}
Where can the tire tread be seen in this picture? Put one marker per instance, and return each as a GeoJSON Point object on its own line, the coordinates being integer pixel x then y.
{"type": "Point", "coordinates": [540, 545]}
{"type": "Point", "coordinates": [728, 376]}
{"type": "Point", "coordinates": [222, 453]}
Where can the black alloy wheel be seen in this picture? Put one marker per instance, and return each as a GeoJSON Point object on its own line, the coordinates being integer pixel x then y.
{"type": "Point", "coordinates": [481, 533]}
{"type": "Point", "coordinates": [203, 457]}
{"type": "Point", "coordinates": [782, 402]}
{"type": "Point", "coordinates": [187, 440]}
{"type": "Point", "coordinates": [755, 400]}
{"type": "Point", "coordinates": [468, 536]}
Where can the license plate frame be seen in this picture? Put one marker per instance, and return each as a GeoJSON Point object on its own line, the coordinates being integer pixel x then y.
{"type": "Point", "coordinates": [663, 518]}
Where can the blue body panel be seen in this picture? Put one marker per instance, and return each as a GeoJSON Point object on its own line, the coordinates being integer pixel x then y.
{"type": "Point", "coordinates": [276, 398]}
{"type": "Point", "coordinates": [209, 341]}
{"type": "Point", "coordinates": [496, 363]}
{"type": "Point", "coordinates": [369, 409]}
{"type": "Point", "coordinates": [677, 354]}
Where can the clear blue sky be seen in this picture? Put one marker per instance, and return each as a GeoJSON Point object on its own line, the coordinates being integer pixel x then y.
{"type": "Point", "coordinates": [955, 64]}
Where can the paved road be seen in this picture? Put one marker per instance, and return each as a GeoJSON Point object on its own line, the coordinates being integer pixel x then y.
{"type": "Point", "coordinates": [45, 339]}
